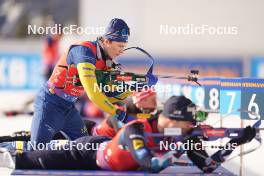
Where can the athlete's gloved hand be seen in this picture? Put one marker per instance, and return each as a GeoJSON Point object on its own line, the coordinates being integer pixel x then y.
{"type": "Point", "coordinates": [152, 79]}
{"type": "Point", "coordinates": [201, 159]}
{"type": "Point", "coordinates": [247, 135]}
{"type": "Point", "coordinates": [159, 163]}
{"type": "Point", "coordinates": [122, 116]}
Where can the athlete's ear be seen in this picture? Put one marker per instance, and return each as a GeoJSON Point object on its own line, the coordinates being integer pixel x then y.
{"type": "Point", "coordinates": [106, 42]}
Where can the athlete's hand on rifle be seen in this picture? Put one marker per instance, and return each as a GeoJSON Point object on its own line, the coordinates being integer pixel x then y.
{"type": "Point", "coordinates": [199, 156]}
{"type": "Point", "coordinates": [122, 116]}
{"type": "Point", "coordinates": [247, 135]}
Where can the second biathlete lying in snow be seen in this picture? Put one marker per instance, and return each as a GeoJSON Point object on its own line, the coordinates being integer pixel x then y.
{"type": "Point", "coordinates": [130, 148]}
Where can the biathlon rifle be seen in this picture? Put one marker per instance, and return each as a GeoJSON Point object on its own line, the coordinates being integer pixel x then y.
{"type": "Point", "coordinates": [118, 76]}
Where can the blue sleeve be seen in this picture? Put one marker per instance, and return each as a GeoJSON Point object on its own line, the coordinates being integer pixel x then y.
{"type": "Point", "coordinates": [80, 54]}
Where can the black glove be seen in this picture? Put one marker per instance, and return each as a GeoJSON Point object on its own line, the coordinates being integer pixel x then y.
{"type": "Point", "coordinates": [120, 115]}
{"type": "Point", "coordinates": [196, 155]}
{"type": "Point", "coordinates": [247, 135]}
{"type": "Point", "coordinates": [200, 158]}
{"type": "Point", "coordinates": [123, 117]}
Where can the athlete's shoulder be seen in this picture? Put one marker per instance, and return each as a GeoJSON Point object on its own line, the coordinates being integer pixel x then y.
{"type": "Point", "coordinates": [87, 44]}
{"type": "Point", "coordinates": [81, 53]}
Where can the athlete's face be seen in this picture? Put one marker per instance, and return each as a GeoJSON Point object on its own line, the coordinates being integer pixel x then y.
{"type": "Point", "coordinates": [113, 48]}
{"type": "Point", "coordinates": [164, 122]}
